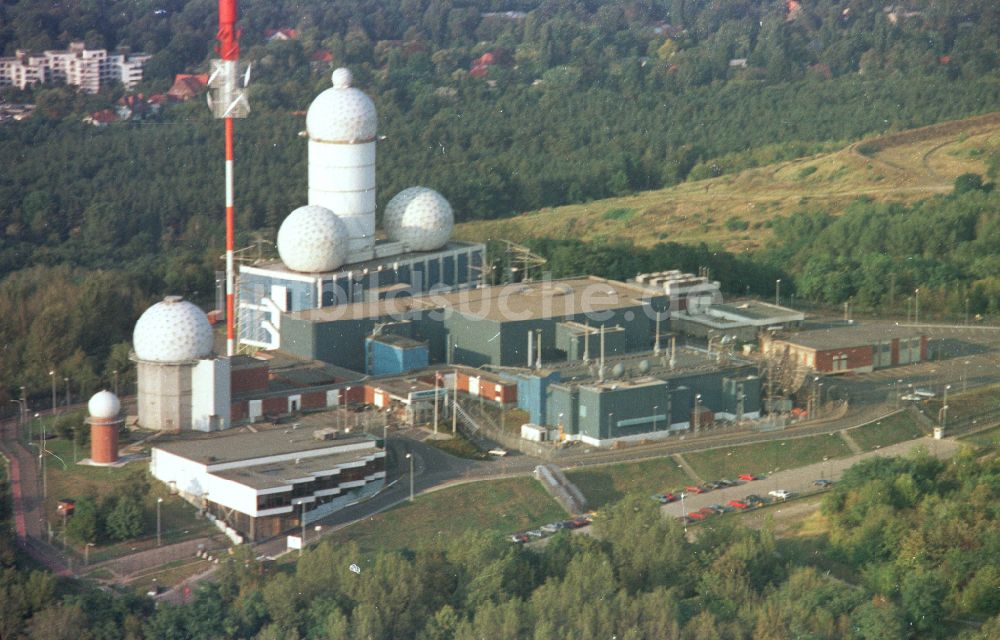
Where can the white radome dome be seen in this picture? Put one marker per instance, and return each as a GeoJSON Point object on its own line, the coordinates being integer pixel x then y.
{"type": "Point", "coordinates": [419, 217]}
{"type": "Point", "coordinates": [342, 113]}
{"type": "Point", "coordinates": [173, 330]}
{"type": "Point", "coordinates": [313, 239]}
{"type": "Point", "coordinates": [104, 404]}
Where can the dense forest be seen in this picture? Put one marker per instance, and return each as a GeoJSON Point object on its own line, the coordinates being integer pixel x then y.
{"type": "Point", "coordinates": [582, 100]}
{"type": "Point", "coordinates": [907, 549]}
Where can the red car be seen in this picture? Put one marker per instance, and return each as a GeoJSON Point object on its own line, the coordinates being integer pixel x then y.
{"type": "Point", "coordinates": [707, 511]}
{"type": "Point", "coordinates": [696, 515]}
{"type": "Point", "coordinates": [738, 504]}
{"type": "Point", "coordinates": [748, 477]}
{"type": "Point", "coordinates": [669, 497]}
{"type": "Point", "coordinates": [694, 489]}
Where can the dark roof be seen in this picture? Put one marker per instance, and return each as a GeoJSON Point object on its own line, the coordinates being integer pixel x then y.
{"type": "Point", "coordinates": [224, 447]}
{"type": "Point", "coordinates": [846, 337]}
{"type": "Point", "coordinates": [394, 340]}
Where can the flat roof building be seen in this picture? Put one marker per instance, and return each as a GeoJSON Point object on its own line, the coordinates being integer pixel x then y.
{"type": "Point", "coordinates": [487, 325]}
{"type": "Point", "coordinates": [854, 348]}
{"type": "Point", "coordinates": [639, 396]}
{"type": "Point", "coordinates": [259, 485]}
{"type": "Point", "coordinates": [742, 320]}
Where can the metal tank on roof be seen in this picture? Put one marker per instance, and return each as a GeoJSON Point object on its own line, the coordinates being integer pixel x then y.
{"type": "Point", "coordinates": [173, 330]}
{"type": "Point", "coordinates": [313, 239]}
{"type": "Point", "coordinates": [341, 124]}
{"type": "Point", "coordinates": [419, 217]}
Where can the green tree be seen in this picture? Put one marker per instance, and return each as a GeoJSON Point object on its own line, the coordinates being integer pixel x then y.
{"type": "Point", "coordinates": [125, 520]}
{"type": "Point", "coordinates": [83, 525]}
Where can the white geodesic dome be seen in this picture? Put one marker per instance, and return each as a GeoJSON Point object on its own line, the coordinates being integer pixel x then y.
{"type": "Point", "coordinates": [342, 113]}
{"type": "Point", "coordinates": [313, 239]}
{"type": "Point", "coordinates": [173, 330]}
{"type": "Point", "coordinates": [419, 217]}
{"type": "Point", "coordinates": [104, 404]}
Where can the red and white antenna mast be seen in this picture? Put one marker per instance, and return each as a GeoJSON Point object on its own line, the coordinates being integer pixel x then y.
{"type": "Point", "coordinates": [227, 101]}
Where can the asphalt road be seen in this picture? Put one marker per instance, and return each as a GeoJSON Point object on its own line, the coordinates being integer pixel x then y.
{"type": "Point", "coordinates": [800, 480]}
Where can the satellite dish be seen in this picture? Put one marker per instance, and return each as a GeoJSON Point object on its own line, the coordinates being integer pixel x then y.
{"type": "Point", "coordinates": [355, 568]}
{"type": "Point", "coordinates": [618, 370]}
{"type": "Point", "coordinates": [644, 366]}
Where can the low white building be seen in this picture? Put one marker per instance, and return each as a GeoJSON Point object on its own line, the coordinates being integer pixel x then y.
{"type": "Point", "coordinates": [88, 69]}
{"type": "Point", "coordinates": [259, 485]}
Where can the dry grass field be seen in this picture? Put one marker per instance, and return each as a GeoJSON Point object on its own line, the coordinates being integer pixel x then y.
{"type": "Point", "coordinates": [898, 167]}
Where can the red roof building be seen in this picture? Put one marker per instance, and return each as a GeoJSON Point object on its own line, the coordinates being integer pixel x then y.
{"type": "Point", "coordinates": [187, 86]}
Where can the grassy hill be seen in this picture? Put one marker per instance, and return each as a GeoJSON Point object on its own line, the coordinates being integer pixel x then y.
{"type": "Point", "coordinates": [732, 211]}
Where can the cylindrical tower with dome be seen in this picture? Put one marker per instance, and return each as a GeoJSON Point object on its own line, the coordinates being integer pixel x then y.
{"type": "Point", "coordinates": [341, 124]}
{"type": "Point", "coordinates": [105, 421]}
{"type": "Point", "coordinates": [172, 344]}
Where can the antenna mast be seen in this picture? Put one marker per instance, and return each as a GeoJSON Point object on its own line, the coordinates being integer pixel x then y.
{"type": "Point", "coordinates": [227, 101]}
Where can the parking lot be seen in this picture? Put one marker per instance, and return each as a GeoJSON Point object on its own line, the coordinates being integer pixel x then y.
{"type": "Point", "coordinates": [801, 480]}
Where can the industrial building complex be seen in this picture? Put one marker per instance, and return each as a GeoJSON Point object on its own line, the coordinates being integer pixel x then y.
{"type": "Point", "coordinates": [403, 322]}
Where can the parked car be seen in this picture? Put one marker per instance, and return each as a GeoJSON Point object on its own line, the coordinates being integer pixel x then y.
{"type": "Point", "coordinates": [535, 533]}
{"type": "Point", "coordinates": [781, 494]}
{"type": "Point", "coordinates": [748, 477]}
{"type": "Point", "coordinates": [718, 508]}
{"type": "Point", "coordinates": [670, 497]}
{"type": "Point", "coordinates": [738, 504]}
{"type": "Point", "coordinates": [694, 489]}
{"type": "Point", "coordinates": [822, 482]}
{"type": "Point", "coordinates": [551, 527]}
{"type": "Point", "coordinates": [755, 501]}
{"type": "Point", "coordinates": [577, 523]}
{"type": "Point", "coordinates": [696, 515]}
{"type": "Point", "coordinates": [519, 537]}
{"type": "Point", "coordinates": [707, 511]}
{"type": "Point", "coordinates": [726, 482]}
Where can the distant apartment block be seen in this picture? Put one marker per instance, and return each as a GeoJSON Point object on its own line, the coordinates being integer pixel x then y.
{"type": "Point", "coordinates": [88, 69]}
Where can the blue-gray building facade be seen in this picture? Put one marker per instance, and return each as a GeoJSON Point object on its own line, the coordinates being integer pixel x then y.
{"type": "Point", "coordinates": [269, 290]}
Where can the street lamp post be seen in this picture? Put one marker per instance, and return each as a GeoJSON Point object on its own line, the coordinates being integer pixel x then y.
{"type": "Point", "coordinates": [409, 456]}
{"type": "Point", "coordinates": [20, 414]}
{"type": "Point", "coordinates": [777, 291]}
{"type": "Point", "coordinates": [159, 501]}
{"type": "Point", "coordinates": [454, 409]}
{"type": "Point", "coordinates": [435, 402]}
{"type": "Point", "coordinates": [66, 380]}
{"type": "Point", "coordinates": [611, 421]}
{"type": "Point", "coordinates": [916, 306]}
{"type": "Point", "coordinates": [86, 553]}
{"type": "Point", "coordinates": [684, 514]}
{"type": "Point", "coordinates": [52, 375]}
{"type": "Point", "coordinates": [965, 375]}
{"type": "Point", "coordinates": [656, 408]}
{"type": "Point", "coordinates": [946, 388]}
{"type": "Point", "coordinates": [41, 464]}
{"type": "Point", "coordinates": [697, 412]}
{"type": "Point", "coordinates": [302, 546]}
